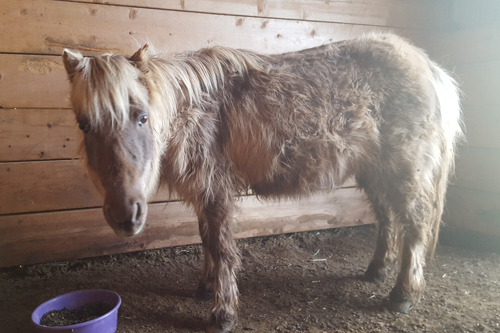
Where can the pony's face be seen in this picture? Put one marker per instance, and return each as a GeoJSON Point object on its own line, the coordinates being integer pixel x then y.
{"type": "Point", "coordinates": [119, 163]}
{"type": "Point", "coordinates": [118, 143]}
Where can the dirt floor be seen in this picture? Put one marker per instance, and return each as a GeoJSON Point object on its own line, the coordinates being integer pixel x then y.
{"type": "Point", "coordinates": [283, 285]}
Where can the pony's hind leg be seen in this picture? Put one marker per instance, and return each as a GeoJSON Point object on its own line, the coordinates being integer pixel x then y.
{"type": "Point", "coordinates": [416, 231]}
{"type": "Point", "coordinates": [404, 214]}
{"type": "Point", "coordinates": [372, 182]}
{"type": "Point", "coordinates": [225, 260]}
{"type": "Point", "coordinates": [384, 250]}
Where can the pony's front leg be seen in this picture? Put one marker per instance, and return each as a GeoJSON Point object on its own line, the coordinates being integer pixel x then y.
{"type": "Point", "coordinates": [225, 257]}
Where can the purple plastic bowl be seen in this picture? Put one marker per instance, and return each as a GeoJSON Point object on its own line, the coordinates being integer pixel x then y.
{"type": "Point", "coordinates": [104, 324]}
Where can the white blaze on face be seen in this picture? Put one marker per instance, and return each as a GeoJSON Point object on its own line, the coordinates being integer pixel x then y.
{"type": "Point", "coordinates": [145, 178]}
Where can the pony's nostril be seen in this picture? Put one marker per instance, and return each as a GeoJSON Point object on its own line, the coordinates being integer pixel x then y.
{"type": "Point", "coordinates": [137, 213]}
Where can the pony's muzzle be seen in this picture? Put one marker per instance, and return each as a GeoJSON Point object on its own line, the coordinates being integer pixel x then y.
{"type": "Point", "coordinates": [127, 218]}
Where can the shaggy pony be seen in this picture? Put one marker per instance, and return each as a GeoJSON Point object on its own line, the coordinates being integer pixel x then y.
{"type": "Point", "coordinates": [212, 123]}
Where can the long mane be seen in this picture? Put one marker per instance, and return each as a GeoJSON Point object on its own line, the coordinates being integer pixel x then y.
{"type": "Point", "coordinates": [187, 78]}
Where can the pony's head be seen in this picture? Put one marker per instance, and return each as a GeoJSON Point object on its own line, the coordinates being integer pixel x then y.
{"type": "Point", "coordinates": [111, 104]}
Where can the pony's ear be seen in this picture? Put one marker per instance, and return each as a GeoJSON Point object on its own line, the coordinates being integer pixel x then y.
{"type": "Point", "coordinates": [71, 59]}
{"type": "Point", "coordinates": [141, 57]}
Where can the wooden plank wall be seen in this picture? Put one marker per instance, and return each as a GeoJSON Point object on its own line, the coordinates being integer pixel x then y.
{"type": "Point", "coordinates": [48, 208]}
{"type": "Point", "coordinates": [470, 48]}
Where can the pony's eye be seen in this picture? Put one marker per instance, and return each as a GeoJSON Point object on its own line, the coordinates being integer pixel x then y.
{"type": "Point", "coordinates": [143, 119]}
{"type": "Point", "coordinates": [84, 127]}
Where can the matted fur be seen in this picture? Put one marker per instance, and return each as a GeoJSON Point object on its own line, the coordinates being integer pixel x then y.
{"type": "Point", "coordinates": [225, 120]}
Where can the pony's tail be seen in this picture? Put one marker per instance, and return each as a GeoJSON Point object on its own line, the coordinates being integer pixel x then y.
{"type": "Point", "coordinates": [448, 106]}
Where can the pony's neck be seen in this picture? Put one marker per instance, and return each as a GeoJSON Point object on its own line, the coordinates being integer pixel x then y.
{"type": "Point", "coordinates": [184, 81]}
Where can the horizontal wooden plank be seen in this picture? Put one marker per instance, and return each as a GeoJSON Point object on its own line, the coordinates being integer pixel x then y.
{"type": "Point", "coordinates": [38, 134]}
{"type": "Point", "coordinates": [453, 47]}
{"type": "Point", "coordinates": [55, 185]}
{"type": "Point", "coordinates": [46, 27]}
{"type": "Point", "coordinates": [48, 186]}
{"type": "Point", "coordinates": [33, 82]}
{"type": "Point", "coordinates": [474, 210]}
{"type": "Point", "coordinates": [478, 168]}
{"type": "Point", "coordinates": [479, 82]}
{"type": "Point", "coordinates": [482, 123]}
{"type": "Point", "coordinates": [45, 186]}
{"type": "Point", "coordinates": [44, 237]}
{"type": "Point", "coordinates": [425, 14]}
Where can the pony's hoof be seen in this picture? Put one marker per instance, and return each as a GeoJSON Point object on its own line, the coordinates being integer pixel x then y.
{"type": "Point", "coordinates": [204, 294]}
{"type": "Point", "coordinates": [399, 301]}
{"type": "Point", "coordinates": [399, 306]}
{"type": "Point", "coordinates": [374, 274]}
{"type": "Point", "coordinates": [221, 326]}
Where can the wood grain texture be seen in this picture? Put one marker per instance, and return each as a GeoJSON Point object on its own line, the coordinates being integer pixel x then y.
{"type": "Point", "coordinates": [46, 27]}
{"type": "Point", "coordinates": [33, 82]}
{"type": "Point", "coordinates": [482, 123]}
{"type": "Point", "coordinates": [478, 169]}
{"type": "Point", "coordinates": [43, 237]}
{"type": "Point", "coordinates": [38, 134]}
{"type": "Point", "coordinates": [49, 186]}
{"type": "Point", "coordinates": [469, 209]}
{"type": "Point", "coordinates": [425, 14]}
{"type": "Point", "coordinates": [45, 186]}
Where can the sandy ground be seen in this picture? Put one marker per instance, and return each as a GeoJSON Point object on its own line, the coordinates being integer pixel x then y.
{"type": "Point", "coordinates": [284, 288]}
